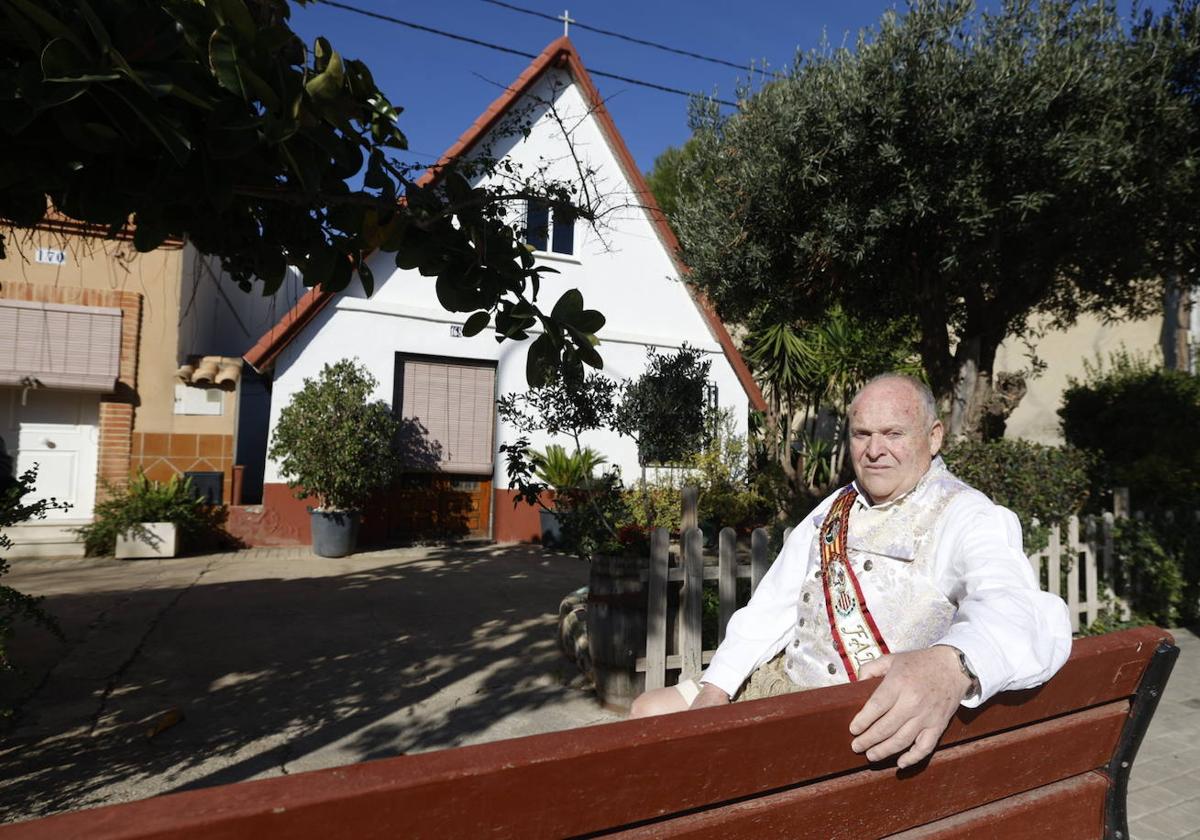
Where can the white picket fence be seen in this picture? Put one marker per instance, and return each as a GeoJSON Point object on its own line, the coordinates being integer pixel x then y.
{"type": "Point", "coordinates": [1076, 569]}
{"type": "Point", "coordinates": [1063, 565]}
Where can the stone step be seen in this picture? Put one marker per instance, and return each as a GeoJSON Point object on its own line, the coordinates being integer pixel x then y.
{"type": "Point", "coordinates": [45, 540]}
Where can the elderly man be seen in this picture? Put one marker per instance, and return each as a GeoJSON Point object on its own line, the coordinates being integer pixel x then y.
{"type": "Point", "coordinates": [907, 574]}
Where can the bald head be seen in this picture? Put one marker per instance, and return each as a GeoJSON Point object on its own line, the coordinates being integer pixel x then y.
{"type": "Point", "coordinates": [919, 389]}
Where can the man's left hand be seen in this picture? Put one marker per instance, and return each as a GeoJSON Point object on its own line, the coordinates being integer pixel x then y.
{"type": "Point", "coordinates": [910, 709]}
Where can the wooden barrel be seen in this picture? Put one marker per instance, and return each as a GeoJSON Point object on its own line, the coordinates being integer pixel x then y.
{"type": "Point", "coordinates": [616, 624]}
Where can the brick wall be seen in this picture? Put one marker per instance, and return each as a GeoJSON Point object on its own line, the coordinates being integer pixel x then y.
{"type": "Point", "coordinates": [164, 455]}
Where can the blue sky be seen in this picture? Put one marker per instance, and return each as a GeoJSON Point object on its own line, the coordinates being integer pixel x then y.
{"type": "Point", "coordinates": [444, 85]}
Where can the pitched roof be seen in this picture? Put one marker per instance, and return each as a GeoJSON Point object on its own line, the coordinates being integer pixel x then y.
{"type": "Point", "coordinates": [560, 54]}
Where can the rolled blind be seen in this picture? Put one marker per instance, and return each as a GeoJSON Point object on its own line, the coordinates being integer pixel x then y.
{"type": "Point", "coordinates": [59, 345]}
{"type": "Point", "coordinates": [454, 405]}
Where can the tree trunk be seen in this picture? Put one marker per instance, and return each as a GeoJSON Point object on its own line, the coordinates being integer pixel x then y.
{"type": "Point", "coordinates": [1176, 330]}
{"type": "Point", "coordinates": [981, 400]}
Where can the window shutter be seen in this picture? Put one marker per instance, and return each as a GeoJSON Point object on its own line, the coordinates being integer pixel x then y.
{"type": "Point", "coordinates": [455, 404]}
{"type": "Point", "coordinates": [59, 346]}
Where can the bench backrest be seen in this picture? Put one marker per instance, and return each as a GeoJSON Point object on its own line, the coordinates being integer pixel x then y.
{"type": "Point", "coordinates": [1025, 764]}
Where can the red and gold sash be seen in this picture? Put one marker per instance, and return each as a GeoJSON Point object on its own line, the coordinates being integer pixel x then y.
{"type": "Point", "coordinates": [855, 636]}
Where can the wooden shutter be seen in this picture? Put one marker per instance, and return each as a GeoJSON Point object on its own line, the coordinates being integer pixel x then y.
{"type": "Point", "coordinates": [59, 346]}
{"type": "Point", "coordinates": [456, 406]}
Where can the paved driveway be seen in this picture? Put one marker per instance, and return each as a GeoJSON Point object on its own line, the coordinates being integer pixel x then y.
{"type": "Point", "coordinates": [278, 662]}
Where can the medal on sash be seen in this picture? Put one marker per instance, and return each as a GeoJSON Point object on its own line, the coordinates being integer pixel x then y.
{"type": "Point", "coordinates": [855, 636]}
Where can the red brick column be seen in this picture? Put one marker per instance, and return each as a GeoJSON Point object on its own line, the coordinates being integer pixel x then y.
{"type": "Point", "coordinates": [116, 428]}
{"type": "Point", "coordinates": [116, 410]}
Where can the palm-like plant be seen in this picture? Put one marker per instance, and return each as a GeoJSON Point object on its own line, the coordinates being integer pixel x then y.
{"type": "Point", "coordinates": [563, 469]}
{"type": "Point", "coordinates": [805, 369]}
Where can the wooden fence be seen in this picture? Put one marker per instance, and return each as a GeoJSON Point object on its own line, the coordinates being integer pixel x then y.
{"type": "Point", "coordinates": [1084, 557]}
{"type": "Point", "coordinates": [1077, 568]}
{"type": "Point", "coordinates": [689, 575]}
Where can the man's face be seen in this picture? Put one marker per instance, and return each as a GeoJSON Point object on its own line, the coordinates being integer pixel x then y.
{"type": "Point", "coordinates": [889, 443]}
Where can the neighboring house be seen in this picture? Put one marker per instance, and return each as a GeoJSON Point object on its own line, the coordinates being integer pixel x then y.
{"type": "Point", "coordinates": [446, 385]}
{"type": "Point", "coordinates": [1172, 337]}
{"type": "Point", "coordinates": [112, 362]}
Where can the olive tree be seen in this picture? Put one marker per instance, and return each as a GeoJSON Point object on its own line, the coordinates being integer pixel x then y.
{"type": "Point", "coordinates": [980, 174]}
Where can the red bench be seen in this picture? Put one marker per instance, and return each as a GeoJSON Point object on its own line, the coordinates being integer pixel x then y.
{"type": "Point", "coordinates": [1048, 762]}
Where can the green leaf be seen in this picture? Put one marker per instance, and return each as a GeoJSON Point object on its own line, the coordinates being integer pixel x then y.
{"type": "Point", "coordinates": [321, 52]}
{"type": "Point", "coordinates": [226, 63]}
{"type": "Point", "coordinates": [149, 232]}
{"type": "Point", "coordinates": [541, 360]}
{"type": "Point", "coordinates": [62, 61]}
{"type": "Point", "coordinates": [452, 292]}
{"type": "Point", "coordinates": [340, 275]}
{"type": "Point", "coordinates": [588, 321]}
{"type": "Point", "coordinates": [326, 86]}
{"type": "Point", "coordinates": [272, 270]}
{"type": "Point", "coordinates": [569, 304]}
{"type": "Point", "coordinates": [476, 323]}
{"type": "Point", "coordinates": [234, 14]}
{"type": "Point", "coordinates": [584, 348]}
{"type": "Point", "coordinates": [458, 188]}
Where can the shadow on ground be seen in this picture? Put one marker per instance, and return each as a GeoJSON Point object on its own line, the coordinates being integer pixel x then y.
{"type": "Point", "coordinates": [275, 672]}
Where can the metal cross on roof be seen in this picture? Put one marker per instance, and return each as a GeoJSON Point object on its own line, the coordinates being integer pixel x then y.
{"type": "Point", "coordinates": [567, 20]}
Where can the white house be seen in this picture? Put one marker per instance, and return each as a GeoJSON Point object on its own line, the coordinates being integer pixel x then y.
{"type": "Point", "coordinates": [626, 267]}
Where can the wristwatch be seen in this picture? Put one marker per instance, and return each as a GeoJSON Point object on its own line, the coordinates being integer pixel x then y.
{"type": "Point", "coordinates": [974, 689]}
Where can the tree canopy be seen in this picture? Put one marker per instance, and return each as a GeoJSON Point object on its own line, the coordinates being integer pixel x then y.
{"type": "Point", "coordinates": [970, 171]}
{"type": "Point", "coordinates": [210, 119]}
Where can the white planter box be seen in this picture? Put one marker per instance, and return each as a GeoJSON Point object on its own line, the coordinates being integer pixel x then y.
{"type": "Point", "coordinates": [159, 539]}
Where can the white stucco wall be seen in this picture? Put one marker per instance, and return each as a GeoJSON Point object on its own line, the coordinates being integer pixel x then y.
{"type": "Point", "coordinates": [219, 319]}
{"type": "Point", "coordinates": [620, 266]}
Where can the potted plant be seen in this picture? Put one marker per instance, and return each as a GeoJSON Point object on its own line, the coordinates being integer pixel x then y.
{"type": "Point", "coordinates": [147, 518]}
{"type": "Point", "coordinates": [333, 444]}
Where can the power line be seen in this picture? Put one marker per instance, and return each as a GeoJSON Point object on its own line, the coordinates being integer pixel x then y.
{"type": "Point", "coordinates": [633, 40]}
{"type": "Point", "coordinates": [500, 48]}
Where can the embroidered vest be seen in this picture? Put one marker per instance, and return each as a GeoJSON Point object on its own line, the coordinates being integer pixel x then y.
{"type": "Point", "coordinates": [890, 549]}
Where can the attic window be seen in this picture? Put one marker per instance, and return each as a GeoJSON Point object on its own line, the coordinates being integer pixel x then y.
{"type": "Point", "coordinates": [549, 229]}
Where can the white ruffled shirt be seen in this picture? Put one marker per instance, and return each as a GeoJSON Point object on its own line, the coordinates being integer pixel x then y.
{"type": "Point", "coordinates": [961, 580]}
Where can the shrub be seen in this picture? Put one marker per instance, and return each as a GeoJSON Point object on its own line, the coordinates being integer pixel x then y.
{"type": "Point", "coordinates": [1139, 420]}
{"type": "Point", "coordinates": [200, 525]}
{"type": "Point", "coordinates": [1032, 480]}
{"type": "Point", "coordinates": [722, 471]}
{"type": "Point", "coordinates": [664, 409]}
{"type": "Point", "coordinates": [728, 495]}
{"type": "Point", "coordinates": [655, 504]}
{"type": "Point", "coordinates": [16, 605]}
{"type": "Point", "coordinates": [1152, 572]}
{"type": "Point", "coordinates": [590, 518]}
{"type": "Point", "coordinates": [332, 443]}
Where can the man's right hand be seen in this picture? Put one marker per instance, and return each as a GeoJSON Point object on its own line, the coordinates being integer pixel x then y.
{"type": "Point", "coordinates": [709, 695]}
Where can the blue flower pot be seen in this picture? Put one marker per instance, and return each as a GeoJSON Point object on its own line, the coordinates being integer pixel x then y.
{"type": "Point", "coordinates": [334, 532]}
